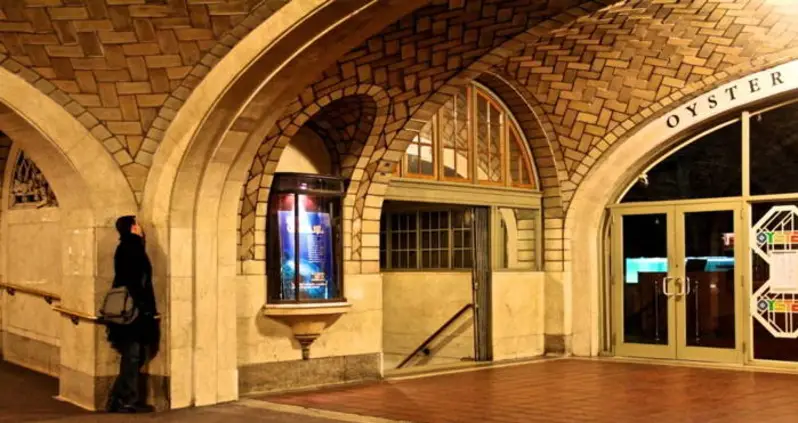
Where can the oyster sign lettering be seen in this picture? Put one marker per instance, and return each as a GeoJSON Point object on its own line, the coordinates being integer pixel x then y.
{"type": "Point", "coordinates": [753, 86]}
{"type": "Point", "coordinates": [775, 239]}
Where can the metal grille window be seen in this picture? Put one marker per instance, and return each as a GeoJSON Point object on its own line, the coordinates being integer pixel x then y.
{"type": "Point", "coordinates": [461, 236]}
{"type": "Point", "coordinates": [439, 239]}
{"type": "Point", "coordinates": [403, 240]}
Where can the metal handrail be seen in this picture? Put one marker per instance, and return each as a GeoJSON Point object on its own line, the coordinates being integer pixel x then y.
{"type": "Point", "coordinates": [76, 316]}
{"type": "Point", "coordinates": [435, 335]}
{"type": "Point", "coordinates": [50, 298]}
{"type": "Point", "coordinates": [12, 289]}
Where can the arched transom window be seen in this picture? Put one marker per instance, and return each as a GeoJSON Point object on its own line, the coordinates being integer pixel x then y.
{"type": "Point", "coordinates": [472, 139]}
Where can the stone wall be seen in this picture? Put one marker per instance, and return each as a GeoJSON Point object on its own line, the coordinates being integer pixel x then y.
{"type": "Point", "coordinates": [416, 304]}
{"type": "Point", "coordinates": [518, 314]}
{"type": "Point", "coordinates": [270, 359]}
{"type": "Point", "coordinates": [31, 257]}
{"type": "Point", "coordinates": [31, 329]}
{"type": "Point", "coordinates": [580, 76]}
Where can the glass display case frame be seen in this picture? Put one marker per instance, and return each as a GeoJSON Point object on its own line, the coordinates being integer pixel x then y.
{"type": "Point", "coordinates": [324, 196]}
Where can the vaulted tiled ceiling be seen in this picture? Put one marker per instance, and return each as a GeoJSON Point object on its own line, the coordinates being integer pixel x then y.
{"type": "Point", "coordinates": [591, 69]}
{"type": "Point", "coordinates": [596, 72]}
{"type": "Point", "coordinates": [123, 68]}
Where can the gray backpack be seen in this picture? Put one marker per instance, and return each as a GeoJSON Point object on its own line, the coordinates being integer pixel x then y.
{"type": "Point", "coordinates": [118, 307]}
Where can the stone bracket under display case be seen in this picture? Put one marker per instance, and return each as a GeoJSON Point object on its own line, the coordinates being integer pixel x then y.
{"type": "Point", "coordinates": [307, 321]}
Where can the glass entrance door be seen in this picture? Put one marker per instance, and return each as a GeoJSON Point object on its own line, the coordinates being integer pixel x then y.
{"type": "Point", "coordinates": [675, 280]}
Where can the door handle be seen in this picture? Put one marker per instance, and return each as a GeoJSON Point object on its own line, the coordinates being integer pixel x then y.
{"type": "Point", "coordinates": [665, 286]}
{"type": "Point", "coordinates": [688, 288]}
{"type": "Point", "coordinates": [684, 288]}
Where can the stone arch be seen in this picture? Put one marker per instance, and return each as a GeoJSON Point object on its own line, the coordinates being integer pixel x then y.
{"type": "Point", "coordinates": [92, 192]}
{"type": "Point", "coordinates": [194, 188]}
{"type": "Point", "coordinates": [370, 99]}
{"type": "Point", "coordinates": [63, 149]}
{"type": "Point", "coordinates": [548, 160]}
{"type": "Point", "coordinates": [409, 112]}
{"type": "Point", "coordinates": [141, 45]}
{"type": "Point", "coordinates": [629, 147]}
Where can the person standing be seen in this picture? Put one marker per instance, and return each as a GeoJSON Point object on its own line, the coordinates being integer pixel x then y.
{"type": "Point", "coordinates": [135, 342]}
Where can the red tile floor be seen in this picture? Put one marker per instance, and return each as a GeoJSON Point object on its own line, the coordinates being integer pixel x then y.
{"type": "Point", "coordinates": [549, 391]}
{"type": "Point", "coordinates": [570, 391]}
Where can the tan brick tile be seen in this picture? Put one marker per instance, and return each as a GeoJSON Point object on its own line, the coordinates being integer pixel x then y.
{"type": "Point", "coordinates": [141, 49]}
{"type": "Point", "coordinates": [68, 13]}
{"type": "Point", "coordinates": [129, 108]}
{"type": "Point", "coordinates": [125, 88]}
{"type": "Point", "coordinates": [117, 37]}
{"type": "Point", "coordinates": [106, 113]}
{"type": "Point", "coordinates": [124, 128]}
{"type": "Point", "coordinates": [87, 100]}
{"type": "Point", "coordinates": [93, 25]}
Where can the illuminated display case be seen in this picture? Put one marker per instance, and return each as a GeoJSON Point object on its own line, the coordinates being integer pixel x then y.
{"type": "Point", "coordinates": [305, 265]}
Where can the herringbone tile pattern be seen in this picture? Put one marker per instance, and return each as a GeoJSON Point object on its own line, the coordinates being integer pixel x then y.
{"type": "Point", "coordinates": [586, 70]}
{"type": "Point", "coordinates": [598, 71]}
{"type": "Point", "coordinates": [411, 65]}
{"type": "Point", "coordinates": [123, 68]}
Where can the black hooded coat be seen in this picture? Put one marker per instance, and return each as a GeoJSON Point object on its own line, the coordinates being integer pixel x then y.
{"type": "Point", "coordinates": [133, 270]}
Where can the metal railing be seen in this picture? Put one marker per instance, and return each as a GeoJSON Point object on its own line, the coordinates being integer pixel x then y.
{"type": "Point", "coordinates": [432, 337]}
{"type": "Point", "coordinates": [13, 289]}
{"type": "Point", "coordinates": [76, 316]}
{"type": "Point", "coordinates": [52, 299]}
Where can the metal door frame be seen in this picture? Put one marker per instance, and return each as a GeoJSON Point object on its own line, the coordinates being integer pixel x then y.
{"type": "Point", "coordinates": [621, 347]}
{"type": "Point", "coordinates": [482, 286]}
{"type": "Point", "coordinates": [685, 352]}
{"type": "Point", "coordinates": [677, 347]}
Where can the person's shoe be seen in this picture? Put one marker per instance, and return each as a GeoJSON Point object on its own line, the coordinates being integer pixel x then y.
{"type": "Point", "coordinates": [128, 409]}
{"type": "Point", "coordinates": [112, 407]}
{"type": "Point", "coordinates": [144, 408]}
{"type": "Point", "coordinates": [117, 407]}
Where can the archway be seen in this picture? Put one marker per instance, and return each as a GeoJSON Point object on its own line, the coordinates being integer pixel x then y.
{"type": "Point", "coordinates": [197, 177]}
{"type": "Point", "coordinates": [203, 165]}
{"type": "Point", "coordinates": [91, 192]}
{"type": "Point", "coordinates": [619, 166]}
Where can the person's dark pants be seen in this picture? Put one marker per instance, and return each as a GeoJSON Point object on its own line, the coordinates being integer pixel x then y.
{"type": "Point", "coordinates": [125, 392]}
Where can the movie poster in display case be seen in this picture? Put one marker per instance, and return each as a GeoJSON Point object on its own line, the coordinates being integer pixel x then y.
{"type": "Point", "coordinates": [316, 254]}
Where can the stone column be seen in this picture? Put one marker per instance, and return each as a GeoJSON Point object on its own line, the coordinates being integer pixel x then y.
{"type": "Point", "coordinates": [86, 360]}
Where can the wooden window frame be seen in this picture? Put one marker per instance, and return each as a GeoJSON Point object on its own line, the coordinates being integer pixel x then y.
{"type": "Point", "coordinates": [502, 142]}
{"type": "Point", "coordinates": [433, 146]}
{"type": "Point", "coordinates": [469, 142]}
{"type": "Point", "coordinates": [507, 122]}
